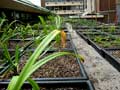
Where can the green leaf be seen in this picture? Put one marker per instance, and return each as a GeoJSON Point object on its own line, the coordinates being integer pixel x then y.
{"type": "Point", "coordinates": [42, 21]}
{"type": "Point", "coordinates": [2, 22]}
{"type": "Point", "coordinates": [58, 22]}
{"type": "Point", "coordinates": [13, 83]}
{"type": "Point", "coordinates": [43, 24]}
{"type": "Point", "coordinates": [17, 54]}
{"type": "Point", "coordinates": [1, 67]}
{"type": "Point", "coordinates": [32, 65]}
{"type": "Point", "coordinates": [27, 68]}
{"type": "Point", "coordinates": [11, 24]}
{"type": "Point", "coordinates": [35, 86]}
{"type": "Point", "coordinates": [7, 54]}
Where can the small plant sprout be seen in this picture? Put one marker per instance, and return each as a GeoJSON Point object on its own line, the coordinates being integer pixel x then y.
{"type": "Point", "coordinates": [12, 61]}
{"type": "Point", "coordinates": [112, 28]}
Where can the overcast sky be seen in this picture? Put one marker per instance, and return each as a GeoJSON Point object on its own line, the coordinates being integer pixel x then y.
{"type": "Point", "coordinates": [36, 2]}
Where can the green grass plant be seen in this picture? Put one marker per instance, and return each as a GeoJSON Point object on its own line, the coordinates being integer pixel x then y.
{"type": "Point", "coordinates": [32, 65]}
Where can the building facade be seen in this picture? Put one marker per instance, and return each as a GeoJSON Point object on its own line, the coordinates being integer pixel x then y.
{"type": "Point", "coordinates": [72, 8]}
{"type": "Point", "coordinates": [42, 3]}
{"type": "Point", "coordinates": [108, 9]}
{"type": "Point", "coordinates": [103, 10]}
{"type": "Point", "coordinates": [66, 7]}
{"type": "Point", "coordinates": [118, 11]}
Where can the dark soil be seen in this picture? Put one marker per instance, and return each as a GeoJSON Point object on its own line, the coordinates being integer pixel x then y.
{"type": "Point", "coordinates": [13, 44]}
{"type": "Point", "coordinates": [65, 66]}
{"type": "Point", "coordinates": [116, 54]}
{"type": "Point", "coordinates": [44, 88]}
{"type": "Point", "coordinates": [68, 45]}
{"type": "Point", "coordinates": [70, 88]}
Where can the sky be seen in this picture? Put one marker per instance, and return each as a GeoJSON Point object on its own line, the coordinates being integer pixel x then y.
{"type": "Point", "coordinates": [36, 2]}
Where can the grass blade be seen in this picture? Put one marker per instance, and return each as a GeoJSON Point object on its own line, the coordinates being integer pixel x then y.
{"type": "Point", "coordinates": [7, 54]}
{"type": "Point", "coordinates": [17, 54]}
{"type": "Point", "coordinates": [35, 86]}
{"type": "Point", "coordinates": [12, 83]}
{"type": "Point", "coordinates": [43, 24]}
{"type": "Point", "coordinates": [27, 68]}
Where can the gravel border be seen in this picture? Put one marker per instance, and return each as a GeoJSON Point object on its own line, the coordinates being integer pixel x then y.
{"type": "Point", "coordinates": [101, 73]}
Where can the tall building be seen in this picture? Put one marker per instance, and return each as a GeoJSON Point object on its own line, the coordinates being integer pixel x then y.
{"type": "Point", "coordinates": [118, 11]}
{"type": "Point", "coordinates": [42, 3]}
{"type": "Point", "coordinates": [66, 7]}
{"type": "Point", "coordinates": [108, 9]}
{"type": "Point", "coordinates": [102, 10]}
{"type": "Point", "coordinates": [73, 8]}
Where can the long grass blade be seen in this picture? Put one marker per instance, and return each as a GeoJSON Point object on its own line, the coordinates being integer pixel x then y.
{"type": "Point", "coordinates": [12, 83]}
{"type": "Point", "coordinates": [7, 54]}
{"type": "Point", "coordinates": [17, 55]}
{"type": "Point", "coordinates": [11, 24]}
{"type": "Point", "coordinates": [27, 68]}
{"type": "Point", "coordinates": [34, 85]}
{"type": "Point", "coordinates": [43, 24]}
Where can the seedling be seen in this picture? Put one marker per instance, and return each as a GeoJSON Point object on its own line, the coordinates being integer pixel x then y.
{"type": "Point", "coordinates": [32, 65]}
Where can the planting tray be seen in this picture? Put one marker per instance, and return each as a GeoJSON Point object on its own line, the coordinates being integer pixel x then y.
{"type": "Point", "coordinates": [87, 30]}
{"type": "Point", "coordinates": [94, 27]}
{"type": "Point", "coordinates": [114, 52]}
{"type": "Point", "coordinates": [57, 70]}
{"type": "Point", "coordinates": [103, 52]}
{"type": "Point", "coordinates": [111, 59]}
{"type": "Point", "coordinates": [57, 85]}
{"type": "Point", "coordinates": [102, 38]}
{"type": "Point", "coordinates": [87, 27]}
{"type": "Point", "coordinates": [83, 75]}
{"type": "Point", "coordinates": [13, 42]}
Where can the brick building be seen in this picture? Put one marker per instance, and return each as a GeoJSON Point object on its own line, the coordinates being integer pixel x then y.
{"type": "Point", "coordinates": [108, 9]}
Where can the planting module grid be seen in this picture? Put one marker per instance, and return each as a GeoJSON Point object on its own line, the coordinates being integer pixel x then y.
{"type": "Point", "coordinates": [101, 73]}
{"type": "Point", "coordinates": [115, 53]}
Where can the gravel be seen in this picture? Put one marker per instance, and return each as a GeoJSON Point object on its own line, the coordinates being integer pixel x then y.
{"type": "Point", "coordinates": [103, 75]}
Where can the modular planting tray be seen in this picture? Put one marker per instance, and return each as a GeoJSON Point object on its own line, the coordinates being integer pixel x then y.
{"type": "Point", "coordinates": [94, 27]}
{"type": "Point", "coordinates": [114, 51]}
{"type": "Point", "coordinates": [111, 59]}
{"type": "Point", "coordinates": [103, 52]}
{"type": "Point", "coordinates": [57, 85]}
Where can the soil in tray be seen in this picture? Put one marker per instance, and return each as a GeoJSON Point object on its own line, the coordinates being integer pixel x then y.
{"type": "Point", "coordinates": [12, 44]}
{"type": "Point", "coordinates": [65, 88]}
{"type": "Point", "coordinates": [65, 66]}
{"type": "Point", "coordinates": [62, 88]}
{"type": "Point", "coordinates": [68, 45]}
{"type": "Point", "coordinates": [116, 54]}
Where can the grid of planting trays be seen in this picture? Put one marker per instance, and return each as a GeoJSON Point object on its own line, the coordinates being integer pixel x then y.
{"type": "Point", "coordinates": [19, 43]}
{"type": "Point", "coordinates": [106, 40]}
